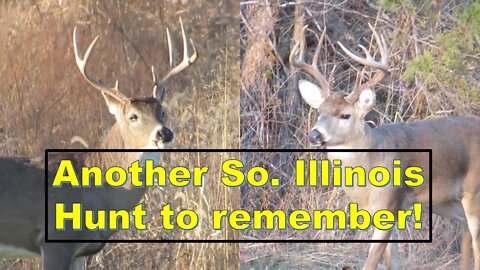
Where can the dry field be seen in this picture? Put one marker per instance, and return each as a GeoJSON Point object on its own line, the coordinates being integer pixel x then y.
{"type": "Point", "coordinates": [434, 49]}
{"type": "Point", "coordinates": [240, 93]}
{"type": "Point", "coordinates": [44, 100]}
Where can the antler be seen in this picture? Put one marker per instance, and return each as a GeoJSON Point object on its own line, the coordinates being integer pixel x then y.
{"type": "Point", "coordinates": [312, 69]}
{"type": "Point", "coordinates": [82, 62]}
{"type": "Point", "coordinates": [158, 89]}
{"type": "Point", "coordinates": [369, 61]}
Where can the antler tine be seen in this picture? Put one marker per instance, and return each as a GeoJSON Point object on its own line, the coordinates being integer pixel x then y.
{"type": "Point", "coordinates": [186, 61]}
{"type": "Point", "coordinates": [369, 61]}
{"type": "Point", "coordinates": [82, 62]}
{"type": "Point", "coordinates": [316, 56]}
{"type": "Point", "coordinates": [171, 57]}
{"type": "Point", "coordinates": [157, 93]}
{"type": "Point", "coordinates": [312, 69]}
{"type": "Point", "coordinates": [154, 76]}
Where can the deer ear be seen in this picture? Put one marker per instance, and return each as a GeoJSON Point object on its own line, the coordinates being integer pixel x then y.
{"type": "Point", "coordinates": [366, 100]}
{"type": "Point", "coordinates": [311, 93]}
{"type": "Point", "coordinates": [114, 107]}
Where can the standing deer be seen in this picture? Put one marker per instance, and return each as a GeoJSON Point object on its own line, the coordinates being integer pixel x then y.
{"type": "Point", "coordinates": [455, 144]}
{"type": "Point", "coordinates": [139, 124]}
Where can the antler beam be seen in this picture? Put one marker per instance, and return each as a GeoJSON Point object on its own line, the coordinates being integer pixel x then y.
{"type": "Point", "coordinates": [312, 69]}
{"type": "Point", "coordinates": [187, 60]}
{"type": "Point", "coordinates": [369, 61]}
{"type": "Point", "coordinates": [82, 62]}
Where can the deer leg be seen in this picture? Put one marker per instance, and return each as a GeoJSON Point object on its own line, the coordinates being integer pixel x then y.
{"type": "Point", "coordinates": [471, 205]}
{"type": "Point", "coordinates": [390, 256]}
{"type": "Point", "coordinates": [56, 257]}
{"type": "Point", "coordinates": [78, 263]}
{"type": "Point", "coordinates": [377, 249]}
{"type": "Point", "coordinates": [385, 198]}
{"type": "Point", "coordinates": [474, 227]}
{"type": "Point", "coordinates": [466, 252]}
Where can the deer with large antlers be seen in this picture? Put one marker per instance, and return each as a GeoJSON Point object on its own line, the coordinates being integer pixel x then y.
{"type": "Point", "coordinates": [455, 144]}
{"type": "Point", "coordinates": [139, 125]}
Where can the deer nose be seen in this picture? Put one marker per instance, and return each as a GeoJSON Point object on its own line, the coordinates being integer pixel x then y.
{"type": "Point", "coordinates": [165, 135]}
{"type": "Point", "coordinates": [315, 136]}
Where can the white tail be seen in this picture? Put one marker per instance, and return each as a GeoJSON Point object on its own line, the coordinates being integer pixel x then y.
{"type": "Point", "coordinates": [455, 143]}
{"type": "Point", "coordinates": [139, 124]}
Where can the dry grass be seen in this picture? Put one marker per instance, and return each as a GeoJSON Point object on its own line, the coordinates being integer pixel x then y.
{"type": "Point", "coordinates": [273, 116]}
{"type": "Point", "coordinates": [44, 101]}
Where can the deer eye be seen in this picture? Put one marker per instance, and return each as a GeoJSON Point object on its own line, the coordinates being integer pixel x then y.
{"type": "Point", "coordinates": [345, 116]}
{"type": "Point", "coordinates": [133, 118]}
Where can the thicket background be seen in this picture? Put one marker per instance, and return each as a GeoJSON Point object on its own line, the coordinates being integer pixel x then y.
{"type": "Point", "coordinates": [44, 100]}
{"type": "Point", "coordinates": [434, 49]}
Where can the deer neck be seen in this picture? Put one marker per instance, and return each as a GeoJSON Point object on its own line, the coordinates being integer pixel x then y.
{"type": "Point", "coordinates": [105, 160]}
{"type": "Point", "coordinates": [127, 196]}
{"type": "Point", "coordinates": [362, 138]}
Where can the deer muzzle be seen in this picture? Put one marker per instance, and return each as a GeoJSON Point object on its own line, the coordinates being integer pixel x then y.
{"type": "Point", "coordinates": [164, 135]}
{"type": "Point", "coordinates": [315, 137]}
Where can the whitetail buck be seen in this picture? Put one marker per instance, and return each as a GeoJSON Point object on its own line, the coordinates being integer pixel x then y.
{"type": "Point", "coordinates": [139, 124]}
{"type": "Point", "coordinates": [455, 143]}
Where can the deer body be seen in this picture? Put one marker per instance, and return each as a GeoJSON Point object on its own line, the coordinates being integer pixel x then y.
{"type": "Point", "coordinates": [452, 151]}
{"type": "Point", "coordinates": [455, 144]}
{"type": "Point", "coordinates": [140, 124]}
{"type": "Point", "coordinates": [456, 188]}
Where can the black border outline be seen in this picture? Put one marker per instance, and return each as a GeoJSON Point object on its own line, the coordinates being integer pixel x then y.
{"type": "Point", "coordinates": [255, 150]}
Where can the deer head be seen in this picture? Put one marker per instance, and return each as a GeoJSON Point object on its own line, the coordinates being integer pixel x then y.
{"type": "Point", "coordinates": [140, 122]}
{"type": "Point", "coordinates": [340, 118]}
